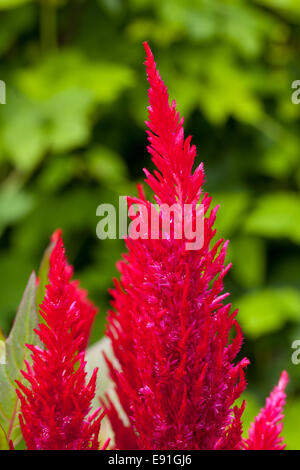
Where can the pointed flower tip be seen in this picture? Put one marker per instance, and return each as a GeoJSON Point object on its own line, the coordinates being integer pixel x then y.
{"type": "Point", "coordinates": [264, 432]}
{"type": "Point", "coordinates": [56, 235]}
{"type": "Point", "coordinates": [283, 381]}
{"type": "Point", "coordinates": [37, 281]}
{"type": "Point", "coordinates": [147, 49]}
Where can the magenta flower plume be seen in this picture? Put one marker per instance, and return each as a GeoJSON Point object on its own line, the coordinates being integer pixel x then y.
{"type": "Point", "coordinates": [170, 327]}
{"type": "Point", "coordinates": [264, 433]}
{"type": "Point", "coordinates": [55, 405]}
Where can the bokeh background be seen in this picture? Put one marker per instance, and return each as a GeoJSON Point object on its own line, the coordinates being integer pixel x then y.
{"type": "Point", "coordinates": [72, 136]}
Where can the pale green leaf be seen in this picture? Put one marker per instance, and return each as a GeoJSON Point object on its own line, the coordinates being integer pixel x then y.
{"type": "Point", "coordinates": [95, 358]}
{"type": "Point", "coordinates": [3, 440]}
{"type": "Point", "coordinates": [2, 352]}
{"type": "Point", "coordinates": [22, 333]}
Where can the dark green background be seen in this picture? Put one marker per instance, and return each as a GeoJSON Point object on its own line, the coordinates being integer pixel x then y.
{"type": "Point", "coordinates": [72, 136]}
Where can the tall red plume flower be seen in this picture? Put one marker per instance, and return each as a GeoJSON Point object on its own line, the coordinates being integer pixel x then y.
{"type": "Point", "coordinates": [264, 432]}
{"type": "Point", "coordinates": [55, 405]}
{"type": "Point", "coordinates": [170, 327]}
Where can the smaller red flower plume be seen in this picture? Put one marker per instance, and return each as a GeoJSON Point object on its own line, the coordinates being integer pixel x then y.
{"type": "Point", "coordinates": [55, 405]}
{"type": "Point", "coordinates": [264, 432]}
{"type": "Point", "coordinates": [86, 312]}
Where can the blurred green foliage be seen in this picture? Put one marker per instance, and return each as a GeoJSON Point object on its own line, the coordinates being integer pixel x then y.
{"type": "Point", "coordinates": [72, 136]}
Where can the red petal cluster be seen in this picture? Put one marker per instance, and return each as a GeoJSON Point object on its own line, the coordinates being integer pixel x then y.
{"type": "Point", "coordinates": [264, 432]}
{"type": "Point", "coordinates": [170, 327]}
{"type": "Point", "coordinates": [55, 405]}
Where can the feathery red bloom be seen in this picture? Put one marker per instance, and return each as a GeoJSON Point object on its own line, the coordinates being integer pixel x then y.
{"type": "Point", "coordinates": [55, 405]}
{"type": "Point", "coordinates": [86, 312]}
{"type": "Point", "coordinates": [264, 432]}
{"type": "Point", "coordinates": [169, 327]}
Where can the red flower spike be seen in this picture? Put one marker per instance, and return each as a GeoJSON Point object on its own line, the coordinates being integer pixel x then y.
{"type": "Point", "coordinates": [170, 328]}
{"type": "Point", "coordinates": [57, 399]}
{"type": "Point", "coordinates": [264, 432]}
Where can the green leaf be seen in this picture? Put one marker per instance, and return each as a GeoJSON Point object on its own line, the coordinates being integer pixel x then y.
{"type": "Point", "coordinates": [25, 131]}
{"type": "Point", "coordinates": [68, 116]}
{"type": "Point", "coordinates": [277, 215]}
{"type": "Point", "coordinates": [3, 440]}
{"type": "Point", "coordinates": [70, 70]}
{"type": "Point", "coordinates": [267, 310]}
{"type": "Point", "coordinates": [16, 352]}
{"type": "Point", "coordinates": [59, 123]}
{"type": "Point", "coordinates": [229, 94]}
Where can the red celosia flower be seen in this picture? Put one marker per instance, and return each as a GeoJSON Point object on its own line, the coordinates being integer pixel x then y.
{"type": "Point", "coordinates": [264, 432]}
{"type": "Point", "coordinates": [86, 311]}
{"type": "Point", "coordinates": [169, 327]}
{"type": "Point", "coordinates": [56, 403]}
